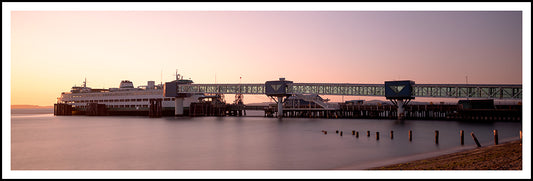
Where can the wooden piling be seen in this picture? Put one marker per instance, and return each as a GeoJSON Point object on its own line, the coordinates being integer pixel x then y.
{"type": "Point", "coordinates": [155, 108]}
{"type": "Point", "coordinates": [377, 135]}
{"type": "Point", "coordinates": [410, 135]}
{"type": "Point", "coordinates": [357, 134]}
{"type": "Point", "coordinates": [391, 134]}
{"type": "Point", "coordinates": [341, 133]}
{"type": "Point", "coordinates": [436, 136]}
{"type": "Point", "coordinates": [353, 132]}
{"type": "Point", "coordinates": [462, 133]}
{"type": "Point", "coordinates": [62, 109]}
{"type": "Point", "coordinates": [475, 139]}
{"type": "Point", "coordinates": [495, 137]}
{"type": "Point", "coordinates": [367, 133]}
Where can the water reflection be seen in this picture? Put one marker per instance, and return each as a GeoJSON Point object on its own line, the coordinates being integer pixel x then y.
{"type": "Point", "coordinates": [230, 143]}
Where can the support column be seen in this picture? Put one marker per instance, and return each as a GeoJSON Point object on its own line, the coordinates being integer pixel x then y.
{"type": "Point", "coordinates": [280, 106]}
{"type": "Point", "coordinates": [400, 109]}
{"type": "Point", "coordinates": [178, 106]}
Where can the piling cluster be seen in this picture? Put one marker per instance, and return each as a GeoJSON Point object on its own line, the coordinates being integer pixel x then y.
{"type": "Point", "coordinates": [436, 138]}
{"type": "Point", "coordinates": [412, 112]}
{"type": "Point", "coordinates": [155, 108]}
{"type": "Point", "coordinates": [62, 109]}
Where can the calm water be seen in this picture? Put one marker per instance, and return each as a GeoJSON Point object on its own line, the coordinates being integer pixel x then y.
{"type": "Point", "coordinates": [47, 142]}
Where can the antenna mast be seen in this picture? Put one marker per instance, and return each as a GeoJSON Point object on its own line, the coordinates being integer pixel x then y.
{"type": "Point", "coordinates": [239, 97]}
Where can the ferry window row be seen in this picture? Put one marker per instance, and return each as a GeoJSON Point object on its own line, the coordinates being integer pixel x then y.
{"type": "Point", "coordinates": [125, 93]}
{"type": "Point", "coordinates": [118, 100]}
{"type": "Point", "coordinates": [118, 106]}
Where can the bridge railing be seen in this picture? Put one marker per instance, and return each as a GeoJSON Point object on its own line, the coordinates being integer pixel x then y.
{"type": "Point", "coordinates": [337, 89]}
{"type": "Point", "coordinates": [468, 91]}
{"type": "Point", "coordinates": [223, 88]}
{"type": "Point", "coordinates": [491, 91]}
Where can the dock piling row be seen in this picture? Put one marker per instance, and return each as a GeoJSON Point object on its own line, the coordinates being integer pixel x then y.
{"type": "Point", "coordinates": [461, 133]}
{"type": "Point", "coordinates": [411, 112]}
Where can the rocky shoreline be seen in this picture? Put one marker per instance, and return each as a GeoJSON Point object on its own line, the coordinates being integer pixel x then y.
{"type": "Point", "coordinates": [504, 156]}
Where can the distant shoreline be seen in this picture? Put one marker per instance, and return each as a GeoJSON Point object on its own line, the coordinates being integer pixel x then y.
{"type": "Point", "coordinates": [30, 107]}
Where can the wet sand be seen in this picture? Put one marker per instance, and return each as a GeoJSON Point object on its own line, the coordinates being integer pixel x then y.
{"type": "Point", "coordinates": [504, 156]}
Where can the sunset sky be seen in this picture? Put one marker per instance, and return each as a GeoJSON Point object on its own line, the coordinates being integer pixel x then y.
{"type": "Point", "coordinates": [52, 50]}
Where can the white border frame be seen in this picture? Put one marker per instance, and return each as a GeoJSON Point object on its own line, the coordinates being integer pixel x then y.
{"type": "Point", "coordinates": [525, 7]}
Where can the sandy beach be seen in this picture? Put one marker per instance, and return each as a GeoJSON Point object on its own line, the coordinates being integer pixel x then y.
{"type": "Point", "coordinates": [504, 156]}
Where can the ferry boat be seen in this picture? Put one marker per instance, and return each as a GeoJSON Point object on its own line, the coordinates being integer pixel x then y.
{"type": "Point", "coordinates": [124, 100]}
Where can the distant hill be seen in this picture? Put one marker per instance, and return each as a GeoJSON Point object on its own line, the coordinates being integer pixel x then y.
{"type": "Point", "coordinates": [30, 107]}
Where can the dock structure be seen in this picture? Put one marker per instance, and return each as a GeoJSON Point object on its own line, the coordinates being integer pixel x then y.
{"type": "Point", "coordinates": [156, 108]}
{"type": "Point", "coordinates": [399, 93]}
{"type": "Point", "coordinates": [95, 109]}
{"type": "Point", "coordinates": [209, 106]}
{"type": "Point", "coordinates": [411, 112]}
{"type": "Point", "coordinates": [62, 109]}
{"type": "Point", "coordinates": [278, 89]}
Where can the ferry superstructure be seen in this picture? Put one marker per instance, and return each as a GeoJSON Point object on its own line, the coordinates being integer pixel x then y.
{"type": "Point", "coordinates": [126, 98]}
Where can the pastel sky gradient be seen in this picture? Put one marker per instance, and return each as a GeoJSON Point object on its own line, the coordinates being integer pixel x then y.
{"type": "Point", "coordinates": [52, 51]}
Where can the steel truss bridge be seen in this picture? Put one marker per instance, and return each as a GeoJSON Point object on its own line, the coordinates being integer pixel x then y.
{"type": "Point", "coordinates": [488, 91]}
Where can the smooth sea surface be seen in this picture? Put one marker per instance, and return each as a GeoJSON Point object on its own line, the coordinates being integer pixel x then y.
{"type": "Point", "coordinates": [42, 141]}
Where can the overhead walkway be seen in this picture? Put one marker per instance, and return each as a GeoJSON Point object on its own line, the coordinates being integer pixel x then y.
{"type": "Point", "coordinates": [396, 91]}
{"type": "Point", "coordinates": [489, 91]}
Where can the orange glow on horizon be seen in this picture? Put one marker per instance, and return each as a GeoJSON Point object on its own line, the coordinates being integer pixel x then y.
{"type": "Point", "coordinates": [51, 51]}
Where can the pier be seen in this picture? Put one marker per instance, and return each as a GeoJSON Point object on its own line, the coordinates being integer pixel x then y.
{"type": "Point", "coordinates": [412, 112]}
{"type": "Point", "coordinates": [303, 100]}
{"type": "Point", "coordinates": [400, 93]}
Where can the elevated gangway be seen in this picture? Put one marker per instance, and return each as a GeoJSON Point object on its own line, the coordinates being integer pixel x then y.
{"type": "Point", "coordinates": [281, 89]}
{"type": "Point", "coordinates": [483, 91]}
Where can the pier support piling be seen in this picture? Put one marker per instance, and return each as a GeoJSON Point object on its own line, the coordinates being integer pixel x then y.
{"type": "Point", "coordinates": [156, 108]}
{"type": "Point", "coordinates": [462, 133]}
{"type": "Point", "coordinates": [178, 106]}
{"type": "Point", "coordinates": [400, 109]}
{"type": "Point", "coordinates": [436, 136]}
{"type": "Point", "coordinates": [475, 139]}
{"type": "Point", "coordinates": [496, 137]}
{"type": "Point", "coordinates": [280, 106]}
